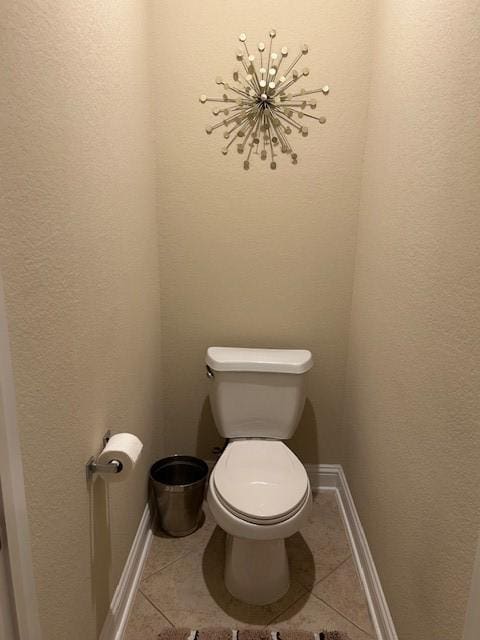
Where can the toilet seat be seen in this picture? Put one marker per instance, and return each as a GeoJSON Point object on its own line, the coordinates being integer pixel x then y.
{"type": "Point", "coordinates": [260, 481]}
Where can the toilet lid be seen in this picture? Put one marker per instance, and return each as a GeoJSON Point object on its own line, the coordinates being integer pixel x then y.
{"type": "Point", "coordinates": [260, 480]}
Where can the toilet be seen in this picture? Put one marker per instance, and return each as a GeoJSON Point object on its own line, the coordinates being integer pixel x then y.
{"type": "Point", "coordinates": [258, 492]}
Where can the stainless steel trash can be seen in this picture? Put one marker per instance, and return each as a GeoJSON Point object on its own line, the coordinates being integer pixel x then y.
{"type": "Point", "coordinates": [179, 486]}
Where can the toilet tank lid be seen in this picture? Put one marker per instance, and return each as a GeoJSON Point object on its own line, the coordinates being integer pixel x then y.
{"type": "Point", "coordinates": [268, 360]}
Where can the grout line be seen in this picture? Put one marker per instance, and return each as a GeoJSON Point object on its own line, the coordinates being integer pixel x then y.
{"type": "Point", "coordinates": [306, 591]}
{"type": "Point", "coordinates": [302, 595]}
{"type": "Point", "coordinates": [157, 609]}
{"type": "Point", "coordinates": [310, 593]}
{"type": "Point", "coordinates": [146, 576]}
{"type": "Point", "coordinates": [332, 571]}
{"type": "Point", "coordinates": [341, 614]}
{"type": "Point", "coordinates": [168, 564]}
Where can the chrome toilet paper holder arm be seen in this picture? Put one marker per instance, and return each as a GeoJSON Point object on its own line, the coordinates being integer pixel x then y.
{"type": "Point", "coordinates": [92, 466]}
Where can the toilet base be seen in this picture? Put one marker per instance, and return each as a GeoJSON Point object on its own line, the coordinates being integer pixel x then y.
{"type": "Point", "coordinates": [256, 571]}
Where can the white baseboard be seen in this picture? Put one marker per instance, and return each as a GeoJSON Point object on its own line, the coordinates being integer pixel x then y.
{"type": "Point", "coordinates": [124, 596]}
{"type": "Point", "coordinates": [322, 477]}
{"type": "Point", "coordinates": [332, 476]}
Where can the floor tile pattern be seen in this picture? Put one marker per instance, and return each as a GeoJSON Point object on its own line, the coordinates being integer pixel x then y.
{"type": "Point", "coordinates": [183, 585]}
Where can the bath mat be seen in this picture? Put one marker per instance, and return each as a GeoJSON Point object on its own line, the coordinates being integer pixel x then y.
{"type": "Point", "coordinates": [222, 633]}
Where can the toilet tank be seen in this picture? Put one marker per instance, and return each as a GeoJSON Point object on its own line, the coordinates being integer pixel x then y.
{"type": "Point", "coordinates": [257, 393]}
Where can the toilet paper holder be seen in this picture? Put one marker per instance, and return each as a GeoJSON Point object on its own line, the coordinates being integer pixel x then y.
{"type": "Point", "coordinates": [92, 466]}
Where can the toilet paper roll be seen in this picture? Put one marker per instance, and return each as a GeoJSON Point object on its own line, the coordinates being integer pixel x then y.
{"type": "Point", "coordinates": [124, 447]}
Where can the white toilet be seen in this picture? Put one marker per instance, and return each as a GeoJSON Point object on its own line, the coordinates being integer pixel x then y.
{"type": "Point", "coordinates": [259, 492]}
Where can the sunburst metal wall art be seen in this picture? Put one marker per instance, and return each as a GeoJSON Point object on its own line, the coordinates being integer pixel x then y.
{"type": "Point", "coordinates": [262, 107]}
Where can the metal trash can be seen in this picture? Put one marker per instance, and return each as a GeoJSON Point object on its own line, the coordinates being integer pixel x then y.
{"type": "Point", "coordinates": [179, 486]}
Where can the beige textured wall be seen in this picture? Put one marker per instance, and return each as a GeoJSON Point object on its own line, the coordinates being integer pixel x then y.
{"type": "Point", "coordinates": [78, 253]}
{"type": "Point", "coordinates": [257, 258]}
{"type": "Point", "coordinates": [413, 399]}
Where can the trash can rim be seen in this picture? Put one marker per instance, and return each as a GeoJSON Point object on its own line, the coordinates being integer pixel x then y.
{"type": "Point", "coordinates": [180, 458]}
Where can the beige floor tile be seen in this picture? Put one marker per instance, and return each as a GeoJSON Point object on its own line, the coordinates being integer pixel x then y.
{"type": "Point", "coordinates": [183, 577]}
{"type": "Point", "coordinates": [343, 591]}
{"type": "Point", "coordinates": [321, 545]}
{"type": "Point", "coordinates": [191, 592]}
{"type": "Point", "coordinates": [145, 621]}
{"type": "Point", "coordinates": [312, 614]}
{"type": "Point", "coordinates": [165, 549]}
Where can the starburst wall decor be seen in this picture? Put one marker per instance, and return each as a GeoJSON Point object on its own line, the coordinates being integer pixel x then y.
{"type": "Point", "coordinates": [262, 107]}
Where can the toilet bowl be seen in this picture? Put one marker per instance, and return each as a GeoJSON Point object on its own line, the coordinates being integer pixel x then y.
{"type": "Point", "coordinates": [259, 492]}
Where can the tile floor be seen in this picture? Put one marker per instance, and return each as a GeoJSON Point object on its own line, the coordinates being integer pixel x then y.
{"type": "Point", "coordinates": [183, 586]}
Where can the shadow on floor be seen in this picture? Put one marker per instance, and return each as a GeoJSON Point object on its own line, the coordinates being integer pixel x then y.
{"type": "Point", "coordinates": [213, 563]}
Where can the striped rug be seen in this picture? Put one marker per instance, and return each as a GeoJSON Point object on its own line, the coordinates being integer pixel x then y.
{"type": "Point", "coordinates": [222, 633]}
